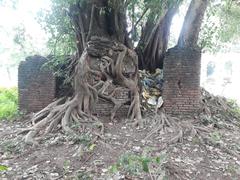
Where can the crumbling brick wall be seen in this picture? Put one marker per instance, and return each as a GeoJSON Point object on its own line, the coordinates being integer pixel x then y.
{"type": "Point", "coordinates": [181, 91]}
{"type": "Point", "coordinates": [103, 108]}
{"type": "Point", "coordinates": [36, 85]}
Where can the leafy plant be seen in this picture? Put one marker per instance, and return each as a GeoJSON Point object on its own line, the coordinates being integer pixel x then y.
{"type": "Point", "coordinates": [216, 136]}
{"type": "Point", "coordinates": [66, 167]}
{"type": "Point", "coordinates": [10, 146]}
{"type": "Point", "coordinates": [133, 164]}
{"type": "Point", "coordinates": [3, 168]}
{"type": "Point", "coordinates": [232, 169]}
{"type": "Point", "coordinates": [8, 103]}
{"type": "Point", "coordinates": [84, 139]}
{"type": "Point", "coordinates": [235, 109]}
{"type": "Point", "coordinates": [82, 175]}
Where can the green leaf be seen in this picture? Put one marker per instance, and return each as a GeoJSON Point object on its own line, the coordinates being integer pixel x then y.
{"type": "Point", "coordinates": [3, 168]}
{"type": "Point", "coordinates": [145, 163]}
{"type": "Point", "coordinates": [158, 160]}
{"type": "Point", "coordinates": [114, 168]}
{"type": "Point", "coordinates": [92, 146]}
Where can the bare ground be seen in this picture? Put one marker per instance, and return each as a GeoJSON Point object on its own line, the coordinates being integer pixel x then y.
{"type": "Point", "coordinates": [123, 152]}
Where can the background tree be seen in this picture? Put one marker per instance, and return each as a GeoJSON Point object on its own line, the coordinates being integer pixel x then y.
{"type": "Point", "coordinates": [154, 39]}
{"type": "Point", "coordinates": [192, 23]}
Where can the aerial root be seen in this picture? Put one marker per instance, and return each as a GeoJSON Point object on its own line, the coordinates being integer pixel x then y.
{"type": "Point", "coordinates": [91, 82]}
{"type": "Point", "coordinates": [204, 135]}
{"type": "Point", "coordinates": [187, 128]}
{"type": "Point", "coordinates": [161, 123]}
{"type": "Point", "coordinates": [59, 114]}
{"type": "Point", "coordinates": [131, 83]}
{"type": "Point", "coordinates": [134, 111]}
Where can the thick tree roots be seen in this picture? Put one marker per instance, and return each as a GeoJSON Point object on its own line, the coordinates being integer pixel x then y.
{"type": "Point", "coordinates": [65, 113]}
{"type": "Point", "coordinates": [186, 129]}
{"type": "Point", "coordinates": [103, 67]}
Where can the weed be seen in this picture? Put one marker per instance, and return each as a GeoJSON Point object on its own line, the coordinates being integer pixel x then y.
{"type": "Point", "coordinates": [10, 146]}
{"type": "Point", "coordinates": [82, 175]}
{"type": "Point", "coordinates": [196, 140]}
{"type": "Point", "coordinates": [66, 166]}
{"type": "Point", "coordinates": [84, 139]}
{"type": "Point", "coordinates": [235, 109]}
{"type": "Point", "coordinates": [216, 136]}
{"type": "Point", "coordinates": [3, 168]}
{"type": "Point", "coordinates": [232, 169]}
{"type": "Point", "coordinates": [133, 164]}
{"type": "Point", "coordinates": [8, 103]}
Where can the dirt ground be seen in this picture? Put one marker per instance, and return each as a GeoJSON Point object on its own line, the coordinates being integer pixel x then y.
{"type": "Point", "coordinates": [123, 152]}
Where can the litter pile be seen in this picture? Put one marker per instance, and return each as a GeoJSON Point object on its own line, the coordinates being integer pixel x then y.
{"type": "Point", "coordinates": [152, 85]}
{"type": "Point", "coordinates": [213, 108]}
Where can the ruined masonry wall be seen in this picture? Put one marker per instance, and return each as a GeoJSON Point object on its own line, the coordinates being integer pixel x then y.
{"type": "Point", "coordinates": [36, 86]}
{"type": "Point", "coordinates": [103, 108]}
{"type": "Point", "coordinates": [181, 91]}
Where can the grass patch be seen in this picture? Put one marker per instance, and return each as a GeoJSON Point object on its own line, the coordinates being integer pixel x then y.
{"type": "Point", "coordinates": [8, 103]}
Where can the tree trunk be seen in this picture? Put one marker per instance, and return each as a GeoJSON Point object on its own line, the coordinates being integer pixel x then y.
{"type": "Point", "coordinates": [101, 18]}
{"type": "Point", "coordinates": [154, 41]}
{"type": "Point", "coordinates": [192, 24]}
{"type": "Point", "coordinates": [104, 55]}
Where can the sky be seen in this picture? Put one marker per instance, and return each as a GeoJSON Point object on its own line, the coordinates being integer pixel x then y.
{"type": "Point", "coordinates": [25, 15]}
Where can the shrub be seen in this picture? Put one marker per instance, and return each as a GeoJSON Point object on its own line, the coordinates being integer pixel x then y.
{"type": "Point", "coordinates": [8, 103]}
{"type": "Point", "coordinates": [234, 108]}
{"type": "Point", "coordinates": [135, 165]}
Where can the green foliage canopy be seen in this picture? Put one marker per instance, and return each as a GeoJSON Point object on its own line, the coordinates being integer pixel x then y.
{"type": "Point", "coordinates": [221, 22]}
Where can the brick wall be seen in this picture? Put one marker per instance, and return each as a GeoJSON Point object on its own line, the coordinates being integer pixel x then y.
{"type": "Point", "coordinates": [103, 107]}
{"type": "Point", "coordinates": [181, 70]}
{"type": "Point", "coordinates": [36, 86]}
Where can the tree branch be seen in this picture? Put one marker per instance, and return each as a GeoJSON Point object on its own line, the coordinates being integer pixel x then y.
{"type": "Point", "coordinates": [127, 2]}
{"type": "Point", "coordinates": [192, 23]}
{"type": "Point", "coordinates": [91, 23]}
{"type": "Point", "coordinates": [82, 30]}
{"type": "Point", "coordinates": [135, 25]}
